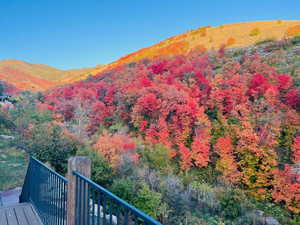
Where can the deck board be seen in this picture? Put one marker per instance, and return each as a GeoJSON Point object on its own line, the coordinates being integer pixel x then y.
{"type": "Point", "coordinates": [19, 214]}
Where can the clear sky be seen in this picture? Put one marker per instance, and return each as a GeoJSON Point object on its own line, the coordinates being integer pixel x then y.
{"type": "Point", "coordinates": [82, 33]}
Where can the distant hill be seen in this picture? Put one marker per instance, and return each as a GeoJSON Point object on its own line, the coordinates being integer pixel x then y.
{"type": "Point", "coordinates": [37, 77]}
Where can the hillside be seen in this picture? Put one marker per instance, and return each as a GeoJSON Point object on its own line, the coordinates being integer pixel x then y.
{"type": "Point", "coordinates": [36, 77]}
{"type": "Point", "coordinates": [208, 118]}
{"type": "Point", "coordinates": [207, 38]}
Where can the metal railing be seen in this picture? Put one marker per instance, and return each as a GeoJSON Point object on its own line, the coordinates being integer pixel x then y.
{"type": "Point", "coordinates": [47, 191]}
{"type": "Point", "coordinates": [97, 206]}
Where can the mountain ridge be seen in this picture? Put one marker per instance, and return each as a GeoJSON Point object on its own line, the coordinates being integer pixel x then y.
{"type": "Point", "coordinates": [39, 77]}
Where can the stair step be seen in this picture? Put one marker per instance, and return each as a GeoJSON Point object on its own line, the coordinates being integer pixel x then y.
{"type": "Point", "coordinates": [10, 197]}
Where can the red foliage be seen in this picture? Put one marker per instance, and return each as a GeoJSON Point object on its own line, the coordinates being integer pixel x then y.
{"type": "Point", "coordinates": [296, 149]}
{"type": "Point", "coordinates": [293, 98]}
{"type": "Point", "coordinates": [193, 109]}
{"type": "Point", "coordinates": [287, 188]}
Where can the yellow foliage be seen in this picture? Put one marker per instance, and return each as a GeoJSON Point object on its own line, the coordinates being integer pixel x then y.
{"type": "Point", "coordinates": [254, 32]}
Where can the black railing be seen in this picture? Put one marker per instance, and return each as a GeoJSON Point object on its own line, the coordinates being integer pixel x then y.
{"type": "Point", "coordinates": [101, 207]}
{"type": "Point", "coordinates": [47, 191]}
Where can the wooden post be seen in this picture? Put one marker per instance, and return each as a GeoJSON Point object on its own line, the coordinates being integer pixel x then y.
{"type": "Point", "coordinates": [83, 166]}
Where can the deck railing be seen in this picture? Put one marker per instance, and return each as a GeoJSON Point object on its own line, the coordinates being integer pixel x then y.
{"type": "Point", "coordinates": [102, 207]}
{"type": "Point", "coordinates": [46, 190]}
{"type": "Point", "coordinates": [88, 203]}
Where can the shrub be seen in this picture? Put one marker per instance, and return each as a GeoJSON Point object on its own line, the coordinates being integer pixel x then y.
{"type": "Point", "coordinates": [48, 143]}
{"type": "Point", "coordinates": [230, 204]}
{"type": "Point", "coordinates": [206, 197]}
{"type": "Point", "coordinates": [265, 41]}
{"type": "Point", "coordinates": [296, 40]}
{"type": "Point", "coordinates": [202, 31]}
{"type": "Point", "coordinates": [286, 186]}
{"type": "Point", "coordinates": [125, 189]}
{"type": "Point", "coordinates": [113, 146]}
{"type": "Point", "coordinates": [254, 32]}
{"type": "Point", "coordinates": [230, 41]}
{"type": "Point", "coordinates": [157, 157]}
{"type": "Point", "coordinates": [101, 171]}
{"type": "Point", "coordinates": [149, 201]}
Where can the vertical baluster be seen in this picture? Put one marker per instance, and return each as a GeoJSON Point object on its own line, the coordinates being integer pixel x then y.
{"type": "Point", "coordinates": [98, 209]}
{"type": "Point", "coordinates": [35, 186]}
{"type": "Point", "coordinates": [126, 217]}
{"type": "Point", "coordinates": [42, 192]}
{"type": "Point", "coordinates": [52, 200]}
{"type": "Point", "coordinates": [118, 214]}
{"type": "Point", "coordinates": [56, 200]}
{"type": "Point", "coordinates": [135, 220]}
{"type": "Point", "coordinates": [60, 202]}
{"type": "Point", "coordinates": [47, 191]}
{"type": "Point", "coordinates": [49, 201]}
{"type": "Point", "coordinates": [93, 205]}
{"type": "Point", "coordinates": [79, 201]}
{"type": "Point", "coordinates": [84, 201]}
{"type": "Point", "coordinates": [32, 188]}
{"type": "Point", "coordinates": [65, 203]}
{"type": "Point", "coordinates": [110, 211]}
{"type": "Point", "coordinates": [76, 200]}
{"type": "Point", "coordinates": [88, 203]}
{"type": "Point", "coordinates": [103, 210]}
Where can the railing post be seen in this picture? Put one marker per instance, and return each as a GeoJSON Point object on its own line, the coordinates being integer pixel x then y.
{"type": "Point", "coordinates": [83, 166]}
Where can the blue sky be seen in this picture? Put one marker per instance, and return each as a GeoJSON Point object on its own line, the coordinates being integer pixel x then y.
{"type": "Point", "coordinates": [82, 33]}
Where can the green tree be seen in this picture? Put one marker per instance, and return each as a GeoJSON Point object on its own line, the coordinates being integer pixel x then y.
{"type": "Point", "coordinates": [49, 144]}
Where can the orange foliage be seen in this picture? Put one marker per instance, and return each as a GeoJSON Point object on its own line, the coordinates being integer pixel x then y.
{"type": "Point", "coordinates": [230, 41]}
{"type": "Point", "coordinates": [227, 163]}
{"type": "Point", "coordinates": [114, 146]}
{"type": "Point", "coordinates": [293, 31]}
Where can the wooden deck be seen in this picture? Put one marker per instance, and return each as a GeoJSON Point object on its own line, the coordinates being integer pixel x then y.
{"type": "Point", "coordinates": [19, 214]}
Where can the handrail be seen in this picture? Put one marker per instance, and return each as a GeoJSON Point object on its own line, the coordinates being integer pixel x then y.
{"type": "Point", "coordinates": [47, 191]}
{"type": "Point", "coordinates": [94, 199]}
{"type": "Point", "coordinates": [49, 169]}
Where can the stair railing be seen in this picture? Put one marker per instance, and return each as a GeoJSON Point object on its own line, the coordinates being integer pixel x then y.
{"type": "Point", "coordinates": [46, 190]}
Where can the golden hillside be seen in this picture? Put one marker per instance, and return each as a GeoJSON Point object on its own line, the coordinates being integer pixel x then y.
{"type": "Point", "coordinates": [206, 38]}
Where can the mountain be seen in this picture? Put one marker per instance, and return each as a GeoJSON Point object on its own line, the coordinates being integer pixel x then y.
{"type": "Point", "coordinates": [37, 77]}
